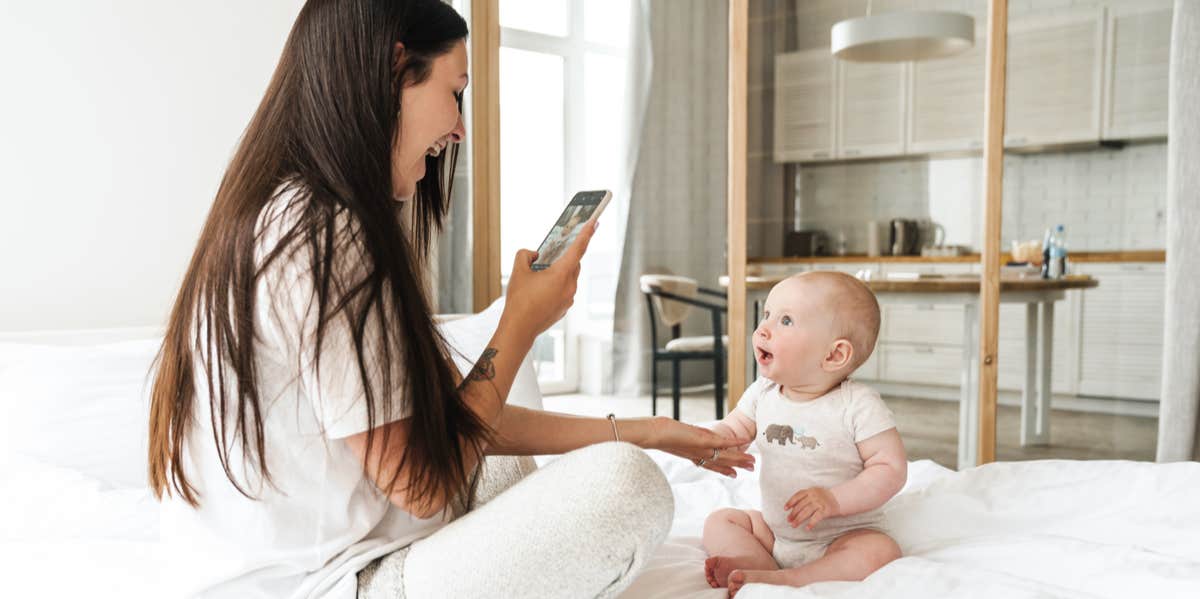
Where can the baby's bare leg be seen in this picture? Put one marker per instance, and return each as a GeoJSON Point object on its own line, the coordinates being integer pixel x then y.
{"type": "Point", "coordinates": [736, 539]}
{"type": "Point", "coordinates": [853, 556]}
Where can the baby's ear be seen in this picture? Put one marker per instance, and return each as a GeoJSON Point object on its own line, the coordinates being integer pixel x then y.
{"type": "Point", "coordinates": [841, 351]}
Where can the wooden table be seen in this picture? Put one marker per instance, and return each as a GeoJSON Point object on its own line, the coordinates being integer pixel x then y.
{"type": "Point", "coordinates": [1038, 295]}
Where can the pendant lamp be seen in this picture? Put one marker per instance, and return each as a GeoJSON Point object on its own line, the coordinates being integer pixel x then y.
{"type": "Point", "coordinates": [902, 36]}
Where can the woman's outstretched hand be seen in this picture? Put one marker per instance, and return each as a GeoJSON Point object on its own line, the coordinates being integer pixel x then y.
{"type": "Point", "coordinates": [537, 300]}
{"type": "Point", "coordinates": [697, 443]}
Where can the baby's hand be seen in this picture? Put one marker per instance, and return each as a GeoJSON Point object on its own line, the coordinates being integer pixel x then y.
{"type": "Point", "coordinates": [814, 505]}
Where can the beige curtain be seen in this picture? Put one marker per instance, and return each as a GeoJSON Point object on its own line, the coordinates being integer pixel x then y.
{"type": "Point", "coordinates": [675, 221]}
{"type": "Point", "coordinates": [1179, 412]}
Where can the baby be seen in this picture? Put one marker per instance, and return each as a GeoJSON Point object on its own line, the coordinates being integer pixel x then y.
{"type": "Point", "coordinates": [831, 456]}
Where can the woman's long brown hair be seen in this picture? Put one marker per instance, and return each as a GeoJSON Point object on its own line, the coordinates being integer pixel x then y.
{"type": "Point", "coordinates": [324, 131]}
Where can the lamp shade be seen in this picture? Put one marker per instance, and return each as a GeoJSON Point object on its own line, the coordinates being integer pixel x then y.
{"type": "Point", "coordinates": [902, 36]}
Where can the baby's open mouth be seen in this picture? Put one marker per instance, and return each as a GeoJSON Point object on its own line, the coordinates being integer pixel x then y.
{"type": "Point", "coordinates": [763, 355]}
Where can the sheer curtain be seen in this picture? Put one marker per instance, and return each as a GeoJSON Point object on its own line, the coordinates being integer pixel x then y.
{"type": "Point", "coordinates": [674, 216]}
{"type": "Point", "coordinates": [1179, 417]}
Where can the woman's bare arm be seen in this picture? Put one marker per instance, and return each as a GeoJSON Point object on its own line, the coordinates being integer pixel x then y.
{"type": "Point", "coordinates": [534, 302]}
{"type": "Point", "coordinates": [535, 432]}
{"type": "Point", "coordinates": [523, 431]}
{"type": "Point", "coordinates": [484, 389]}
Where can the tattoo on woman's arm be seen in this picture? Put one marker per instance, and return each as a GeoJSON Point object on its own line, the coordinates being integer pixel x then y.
{"type": "Point", "coordinates": [484, 370]}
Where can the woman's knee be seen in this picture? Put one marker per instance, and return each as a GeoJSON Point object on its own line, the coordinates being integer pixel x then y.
{"type": "Point", "coordinates": [620, 464]}
{"type": "Point", "coordinates": [627, 480]}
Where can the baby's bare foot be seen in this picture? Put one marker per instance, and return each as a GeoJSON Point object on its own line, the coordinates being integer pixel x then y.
{"type": "Point", "coordinates": [739, 578]}
{"type": "Point", "coordinates": [736, 579]}
{"type": "Point", "coordinates": [717, 569]}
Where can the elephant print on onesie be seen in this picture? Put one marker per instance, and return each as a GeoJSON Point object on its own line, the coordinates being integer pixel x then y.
{"type": "Point", "coordinates": [784, 434]}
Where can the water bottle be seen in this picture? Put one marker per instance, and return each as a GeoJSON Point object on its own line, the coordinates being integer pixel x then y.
{"type": "Point", "coordinates": [1046, 255]}
{"type": "Point", "coordinates": [1058, 253]}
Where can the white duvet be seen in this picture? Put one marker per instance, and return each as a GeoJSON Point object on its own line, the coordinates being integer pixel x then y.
{"type": "Point", "coordinates": [1031, 529]}
{"type": "Point", "coordinates": [75, 520]}
{"type": "Point", "coordinates": [1023, 529]}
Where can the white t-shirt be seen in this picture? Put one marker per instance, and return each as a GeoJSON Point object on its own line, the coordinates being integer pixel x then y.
{"type": "Point", "coordinates": [812, 444]}
{"type": "Point", "coordinates": [322, 520]}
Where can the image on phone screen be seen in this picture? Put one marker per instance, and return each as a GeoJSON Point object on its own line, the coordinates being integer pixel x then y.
{"type": "Point", "coordinates": [583, 207]}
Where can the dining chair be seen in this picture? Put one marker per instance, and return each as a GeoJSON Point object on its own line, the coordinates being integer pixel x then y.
{"type": "Point", "coordinates": [670, 299]}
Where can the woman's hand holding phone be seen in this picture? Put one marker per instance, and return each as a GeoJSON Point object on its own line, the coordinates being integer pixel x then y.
{"type": "Point", "coordinates": [537, 299]}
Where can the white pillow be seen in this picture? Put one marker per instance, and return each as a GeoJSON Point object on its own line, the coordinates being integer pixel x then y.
{"type": "Point", "coordinates": [86, 407]}
{"type": "Point", "coordinates": [469, 336]}
{"type": "Point", "coordinates": [79, 407]}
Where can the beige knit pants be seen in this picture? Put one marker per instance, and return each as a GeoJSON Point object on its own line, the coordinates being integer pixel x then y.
{"type": "Point", "coordinates": [582, 526]}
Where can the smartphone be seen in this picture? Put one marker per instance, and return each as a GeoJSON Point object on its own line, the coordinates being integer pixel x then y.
{"type": "Point", "coordinates": [583, 209]}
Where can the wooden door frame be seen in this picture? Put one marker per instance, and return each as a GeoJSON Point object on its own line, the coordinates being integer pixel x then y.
{"type": "Point", "coordinates": [993, 158]}
{"type": "Point", "coordinates": [485, 152]}
{"type": "Point", "coordinates": [735, 299]}
{"type": "Point", "coordinates": [485, 129]}
{"type": "Point", "coordinates": [993, 199]}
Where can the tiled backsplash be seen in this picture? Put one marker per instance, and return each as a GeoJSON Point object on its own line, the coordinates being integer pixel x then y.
{"type": "Point", "coordinates": [1108, 199]}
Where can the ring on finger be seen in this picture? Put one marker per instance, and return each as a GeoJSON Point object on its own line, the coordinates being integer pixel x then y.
{"type": "Point", "coordinates": [702, 462]}
{"type": "Point", "coordinates": [714, 455]}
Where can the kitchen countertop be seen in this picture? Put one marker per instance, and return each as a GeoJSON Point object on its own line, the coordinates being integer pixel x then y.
{"type": "Point", "coordinates": [957, 284]}
{"type": "Point", "coordinates": [1109, 256]}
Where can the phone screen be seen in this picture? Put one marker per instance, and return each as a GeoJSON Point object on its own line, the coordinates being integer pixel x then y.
{"type": "Point", "coordinates": [578, 213]}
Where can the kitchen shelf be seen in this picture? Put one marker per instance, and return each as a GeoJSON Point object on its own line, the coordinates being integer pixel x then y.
{"type": "Point", "coordinates": [1111, 256]}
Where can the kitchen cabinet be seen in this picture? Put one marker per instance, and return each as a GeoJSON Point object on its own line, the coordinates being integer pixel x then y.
{"type": "Point", "coordinates": [946, 101]}
{"type": "Point", "coordinates": [1107, 340]}
{"type": "Point", "coordinates": [923, 324]}
{"type": "Point", "coordinates": [1121, 330]}
{"type": "Point", "coordinates": [921, 343]}
{"type": "Point", "coordinates": [922, 364]}
{"type": "Point", "coordinates": [1137, 64]}
{"type": "Point", "coordinates": [1055, 64]}
{"type": "Point", "coordinates": [1011, 345]}
{"type": "Point", "coordinates": [805, 110]}
{"type": "Point", "coordinates": [870, 369]}
{"type": "Point", "coordinates": [1074, 76]}
{"type": "Point", "coordinates": [871, 109]}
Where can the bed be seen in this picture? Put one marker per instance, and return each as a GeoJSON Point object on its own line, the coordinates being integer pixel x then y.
{"type": "Point", "coordinates": [77, 520]}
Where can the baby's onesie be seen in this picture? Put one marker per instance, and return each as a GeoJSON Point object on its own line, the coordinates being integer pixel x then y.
{"type": "Point", "coordinates": [811, 444]}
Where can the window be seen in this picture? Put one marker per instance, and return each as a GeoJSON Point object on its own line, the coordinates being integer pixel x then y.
{"type": "Point", "coordinates": [562, 103]}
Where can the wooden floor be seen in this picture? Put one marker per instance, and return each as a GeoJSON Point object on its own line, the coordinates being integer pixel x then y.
{"type": "Point", "coordinates": [930, 427]}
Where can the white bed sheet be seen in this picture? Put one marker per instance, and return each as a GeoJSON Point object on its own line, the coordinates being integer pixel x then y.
{"type": "Point", "coordinates": [1023, 529]}
{"type": "Point", "coordinates": [1039, 529]}
{"type": "Point", "coordinates": [1027, 529]}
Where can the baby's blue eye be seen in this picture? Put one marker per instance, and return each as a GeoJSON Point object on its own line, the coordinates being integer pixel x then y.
{"type": "Point", "coordinates": [786, 320]}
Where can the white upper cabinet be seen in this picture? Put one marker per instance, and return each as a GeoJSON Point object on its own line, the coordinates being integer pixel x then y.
{"type": "Point", "coordinates": [946, 101]}
{"type": "Point", "coordinates": [1073, 76]}
{"type": "Point", "coordinates": [805, 111]}
{"type": "Point", "coordinates": [1139, 52]}
{"type": "Point", "coordinates": [1055, 65]}
{"type": "Point", "coordinates": [871, 109]}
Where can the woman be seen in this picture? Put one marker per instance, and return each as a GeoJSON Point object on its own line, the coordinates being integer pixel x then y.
{"type": "Point", "coordinates": [306, 420]}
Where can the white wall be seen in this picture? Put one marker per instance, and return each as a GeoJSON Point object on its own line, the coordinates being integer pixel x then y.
{"type": "Point", "coordinates": [116, 122]}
